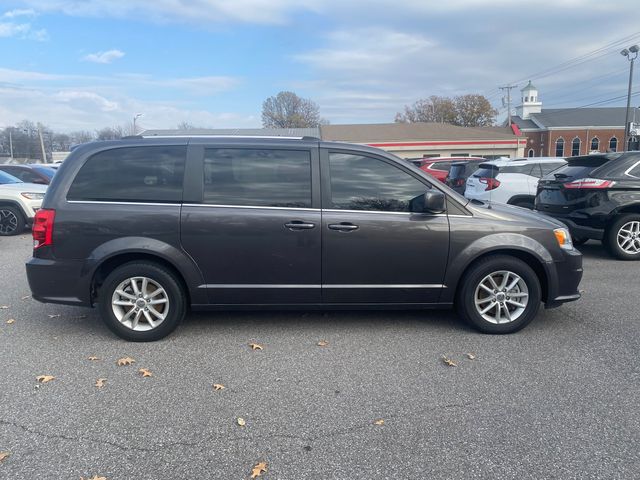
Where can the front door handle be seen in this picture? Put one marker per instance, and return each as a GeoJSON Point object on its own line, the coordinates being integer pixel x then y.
{"type": "Point", "coordinates": [299, 225]}
{"type": "Point", "coordinates": [343, 227]}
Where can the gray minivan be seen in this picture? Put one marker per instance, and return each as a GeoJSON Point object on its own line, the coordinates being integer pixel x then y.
{"type": "Point", "coordinates": [148, 227]}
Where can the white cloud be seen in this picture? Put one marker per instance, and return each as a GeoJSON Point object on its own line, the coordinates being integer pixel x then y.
{"type": "Point", "coordinates": [104, 57]}
{"type": "Point", "coordinates": [22, 30]}
{"type": "Point", "coordinates": [24, 12]}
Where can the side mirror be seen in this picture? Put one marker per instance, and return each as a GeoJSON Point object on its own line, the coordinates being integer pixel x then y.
{"type": "Point", "coordinates": [432, 201]}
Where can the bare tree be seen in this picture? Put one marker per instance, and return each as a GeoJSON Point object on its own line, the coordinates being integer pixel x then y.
{"type": "Point", "coordinates": [288, 110]}
{"type": "Point", "coordinates": [474, 111]}
{"type": "Point", "coordinates": [434, 109]}
{"type": "Point", "coordinates": [81, 136]}
{"type": "Point", "coordinates": [110, 133]}
{"type": "Point", "coordinates": [465, 110]}
{"type": "Point", "coordinates": [186, 126]}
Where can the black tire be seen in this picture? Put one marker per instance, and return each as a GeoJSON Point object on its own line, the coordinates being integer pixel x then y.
{"type": "Point", "coordinates": [577, 241]}
{"type": "Point", "coordinates": [177, 303]}
{"type": "Point", "coordinates": [611, 237]}
{"type": "Point", "coordinates": [465, 299]}
{"type": "Point", "coordinates": [12, 221]}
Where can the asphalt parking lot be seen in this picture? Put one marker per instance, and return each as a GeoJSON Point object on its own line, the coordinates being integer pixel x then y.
{"type": "Point", "coordinates": [557, 400]}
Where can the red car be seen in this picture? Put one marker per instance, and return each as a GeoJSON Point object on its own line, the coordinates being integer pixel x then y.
{"type": "Point", "coordinates": [439, 167]}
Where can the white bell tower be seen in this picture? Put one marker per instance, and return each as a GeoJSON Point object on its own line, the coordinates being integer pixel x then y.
{"type": "Point", "coordinates": [529, 102]}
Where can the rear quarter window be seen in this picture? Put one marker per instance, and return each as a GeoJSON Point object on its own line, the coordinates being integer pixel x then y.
{"type": "Point", "coordinates": [131, 174]}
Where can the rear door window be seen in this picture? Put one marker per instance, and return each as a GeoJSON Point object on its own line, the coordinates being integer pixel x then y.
{"type": "Point", "coordinates": [132, 174]}
{"type": "Point", "coordinates": [486, 171]}
{"type": "Point", "coordinates": [547, 168]}
{"type": "Point", "coordinates": [257, 177]}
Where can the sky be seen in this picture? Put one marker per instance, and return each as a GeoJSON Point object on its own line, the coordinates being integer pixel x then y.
{"type": "Point", "coordinates": [87, 64]}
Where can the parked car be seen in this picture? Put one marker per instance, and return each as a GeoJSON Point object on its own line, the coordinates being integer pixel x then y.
{"type": "Point", "coordinates": [18, 203]}
{"type": "Point", "coordinates": [439, 167]}
{"type": "Point", "coordinates": [460, 171]}
{"type": "Point", "coordinates": [513, 182]}
{"type": "Point", "coordinates": [598, 197]}
{"type": "Point", "coordinates": [147, 227]}
{"type": "Point", "coordinates": [30, 173]}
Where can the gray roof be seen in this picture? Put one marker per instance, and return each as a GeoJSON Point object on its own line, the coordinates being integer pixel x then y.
{"type": "Point", "coordinates": [577, 117]}
{"type": "Point", "coordinates": [522, 123]}
{"type": "Point", "coordinates": [528, 86]}
{"type": "Point", "coordinates": [400, 132]}
{"type": "Point", "coordinates": [267, 132]}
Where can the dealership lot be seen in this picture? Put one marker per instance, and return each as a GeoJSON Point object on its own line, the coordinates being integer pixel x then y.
{"type": "Point", "coordinates": [556, 400]}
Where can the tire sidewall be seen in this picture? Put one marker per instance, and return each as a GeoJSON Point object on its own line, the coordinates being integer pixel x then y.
{"type": "Point", "coordinates": [466, 300]}
{"type": "Point", "coordinates": [163, 277]}
{"type": "Point", "coordinates": [20, 219]}
{"type": "Point", "coordinates": [612, 238]}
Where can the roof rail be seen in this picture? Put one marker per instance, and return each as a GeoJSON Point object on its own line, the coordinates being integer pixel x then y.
{"type": "Point", "coordinates": [210, 135]}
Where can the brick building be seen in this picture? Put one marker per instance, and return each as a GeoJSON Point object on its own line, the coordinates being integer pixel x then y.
{"type": "Point", "coordinates": [563, 132]}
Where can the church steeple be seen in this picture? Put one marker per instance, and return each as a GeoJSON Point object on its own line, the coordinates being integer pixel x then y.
{"type": "Point", "coordinates": [529, 102]}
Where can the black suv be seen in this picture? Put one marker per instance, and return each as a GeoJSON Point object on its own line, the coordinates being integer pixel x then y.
{"type": "Point", "coordinates": [147, 227]}
{"type": "Point", "coordinates": [598, 197]}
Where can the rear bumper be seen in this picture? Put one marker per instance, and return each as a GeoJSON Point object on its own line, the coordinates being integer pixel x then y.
{"type": "Point", "coordinates": [577, 230]}
{"type": "Point", "coordinates": [564, 279]}
{"type": "Point", "coordinates": [52, 281]}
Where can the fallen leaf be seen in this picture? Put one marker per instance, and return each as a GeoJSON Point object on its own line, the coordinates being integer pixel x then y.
{"type": "Point", "coordinates": [4, 307]}
{"type": "Point", "coordinates": [93, 358]}
{"type": "Point", "coordinates": [241, 421]}
{"type": "Point", "coordinates": [100, 382]}
{"type": "Point", "coordinates": [259, 469]}
{"type": "Point", "coordinates": [255, 346]}
{"type": "Point", "coordinates": [449, 362]}
{"type": "Point", "coordinates": [25, 297]}
{"type": "Point", "coordinates": [95, 477]}
{"type": "Point", "coordinates": [44, 378]}
{"type": "Point", "coordinates": [145, 372]}
{"type": "Point", "coordinates": [55, 315]}
{"type": "Point", "coordinates": [323, 343]}
{"type": "Point", "coordinates": [4, 456]}
{"type": "Point", "coordinates": [471, 356]}
{"type": "Point", "coordinates": [218, 386]}
{"type": "Point", "coordinates": [125, 361]}
{"type": "Point", "coordinates": [11, 321]}
{"type": "Point", "coordinates": [379, 422]}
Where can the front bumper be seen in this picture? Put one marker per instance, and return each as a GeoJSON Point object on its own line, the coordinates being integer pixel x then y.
{"type": "Point", "coordinates": [563, 279]}
{"type": "Point", "coordinates": [53, 281]}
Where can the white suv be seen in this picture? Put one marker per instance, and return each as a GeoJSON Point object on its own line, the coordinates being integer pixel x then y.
{"type": "Point", "coordinates": [510, 181]}
{"type": "Point", "coordinates": [18, 203]}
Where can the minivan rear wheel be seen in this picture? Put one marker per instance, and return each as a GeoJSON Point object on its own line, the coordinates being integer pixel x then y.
{"type": "Point", "coordinates": [142, 302]}
{"type": "Point", "coordinates": [623, 237]}
{"type": "Point", "coordinates": [499, 294]}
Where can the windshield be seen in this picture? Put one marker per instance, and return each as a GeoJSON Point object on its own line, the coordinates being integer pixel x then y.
{"type": "Point", "coordinates": [6, 178]}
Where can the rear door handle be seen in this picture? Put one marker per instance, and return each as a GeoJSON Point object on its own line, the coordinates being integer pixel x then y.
{"type": "Point", "coordinates": [299, 225]}
{"type": "Point", "coordinates": [343, 227]}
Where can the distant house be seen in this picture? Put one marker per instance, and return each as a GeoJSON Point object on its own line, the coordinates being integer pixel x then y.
{"type": "Point", "coordinates": [563, 132]}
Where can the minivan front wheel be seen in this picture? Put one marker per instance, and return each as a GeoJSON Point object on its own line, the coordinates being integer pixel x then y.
{"type": "Point", "coordinates": [142, 302]}
{"type": "Point", "coordinates": [499, 294]}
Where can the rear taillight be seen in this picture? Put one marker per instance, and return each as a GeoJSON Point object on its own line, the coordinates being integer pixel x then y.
{"type": "Point", "coordinates": [43, 228]}
{"type": "Point", "coordinates": [591, 183]}
{"type": "Point", "coordinates": [491, 183]}
{"type": "Point", "coordinates": [458, 182]}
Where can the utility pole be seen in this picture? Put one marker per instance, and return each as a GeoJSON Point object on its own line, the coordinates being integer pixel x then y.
{"type": "Point", "coordinates": [11, 144]}
{"type": "Point", "coordinates": [135, 117]}
{"type": "Point", "coordinates": [44, 154]}
{"type": "Point", "coordinates": [631, 53]}
{"type": "Point", "coordinates": [508, 89]}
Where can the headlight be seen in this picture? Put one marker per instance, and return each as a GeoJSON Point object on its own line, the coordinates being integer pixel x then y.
{"type": "Point", "coordinates": [33, 196]}
{"type": "Point", "coordinates": [564, 238]}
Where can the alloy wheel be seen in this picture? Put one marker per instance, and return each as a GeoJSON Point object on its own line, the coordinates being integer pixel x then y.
{"type": "Point", "coordinates": [628, 237]}
{"type": "Point", "coordinates": [501, 297]}
{"type": "Point", "coordinates": [140, 303]}
{"type": "Point", "coordinates": [8, 222]}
